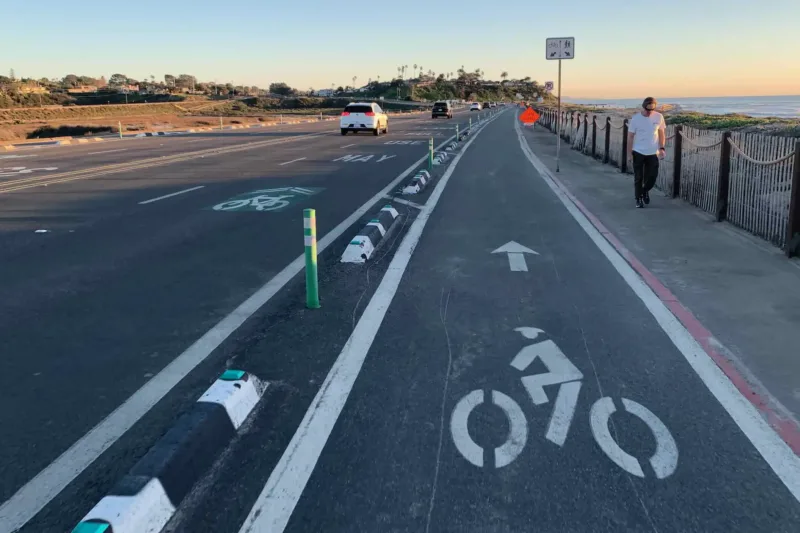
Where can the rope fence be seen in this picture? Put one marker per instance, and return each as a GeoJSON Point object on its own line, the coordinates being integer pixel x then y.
{"type": "Point", "coordinates": [749, 179]}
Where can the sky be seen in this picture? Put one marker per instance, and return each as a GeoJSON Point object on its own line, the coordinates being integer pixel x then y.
{"type": "Point", "coordinates": [623, 48]}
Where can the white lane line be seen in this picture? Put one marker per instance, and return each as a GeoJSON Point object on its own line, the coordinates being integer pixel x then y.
{"type": "Point", "coordinates": [348, 145]}
{"type": "Point", "coordinates": [151, 200]}
{"type": "Point", "coordinates": [108, 151]}
{"type": "Point", "coordinates": [292, 161]}
{"type": "Point", "coordinates": [409, 203]}
{"type": "Point", "coordinates": [198, 141]}
{"type": "Point", "coordinates": [778, 455]}
{"type": "Point", "coordinates": [285, 485]}
{"type": "Point", "coordinates": [39, 491]}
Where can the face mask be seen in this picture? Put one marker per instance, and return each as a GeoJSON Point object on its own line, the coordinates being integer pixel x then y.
{"type": "Point", "coordinates": [650, 107]}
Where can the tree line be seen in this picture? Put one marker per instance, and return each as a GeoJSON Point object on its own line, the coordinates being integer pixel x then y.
{"type": "Point", "coordinates": [170, 83]}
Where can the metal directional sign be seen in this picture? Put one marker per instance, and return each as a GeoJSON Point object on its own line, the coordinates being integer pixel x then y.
{"type": "Point", "coordinates": [560, 48]}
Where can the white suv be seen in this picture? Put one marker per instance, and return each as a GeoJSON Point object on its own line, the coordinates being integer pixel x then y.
{"type": "Point", "coordinates": [364, 117]}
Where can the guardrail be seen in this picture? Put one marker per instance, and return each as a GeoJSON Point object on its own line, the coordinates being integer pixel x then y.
{"type": "Point", "coordinates": [749, 179]}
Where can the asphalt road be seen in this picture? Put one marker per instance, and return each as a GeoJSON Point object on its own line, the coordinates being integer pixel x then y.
{"type": "Point", "coordinates": [378, 417]}
{"type": "Point", "coordinates": [109, 273]}
{"type": "Point", "coordinates": [603, 418]}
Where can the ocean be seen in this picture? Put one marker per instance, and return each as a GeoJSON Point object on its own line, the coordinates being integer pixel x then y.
{"type": "Point", "coordinates": [755, 106]}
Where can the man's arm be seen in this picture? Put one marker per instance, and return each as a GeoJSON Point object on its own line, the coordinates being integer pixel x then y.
{"type": "Point", "coordinates": [631, 135]}
{"type": "Point", "coordinates": [662, 135]}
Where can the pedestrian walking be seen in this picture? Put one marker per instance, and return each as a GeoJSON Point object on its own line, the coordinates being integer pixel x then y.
{"type": "Point", "coordinates": [646, 145]}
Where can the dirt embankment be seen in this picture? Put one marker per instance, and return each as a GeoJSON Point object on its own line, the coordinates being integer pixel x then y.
{"type": "Point", "coordinates": [40, 122]}
{"type": "Point", "coordinates": [18, 124]}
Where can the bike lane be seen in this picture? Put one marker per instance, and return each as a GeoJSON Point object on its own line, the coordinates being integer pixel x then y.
{"type": "Point", "coordinates": [518, 383]}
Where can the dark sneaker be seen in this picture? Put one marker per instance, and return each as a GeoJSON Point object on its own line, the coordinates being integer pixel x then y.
{"type": "Point", "coordinates": [639, 203]}
{"type": "Point", "coordinates": [646, 197]}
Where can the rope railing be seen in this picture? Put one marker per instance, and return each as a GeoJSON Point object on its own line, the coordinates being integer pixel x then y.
{"type": "Point", "coordinates": [751, 180]}
{"type": "Point", "coordinates": [755, 161]}
{"type": "Point", "coordinates": [698, 145]}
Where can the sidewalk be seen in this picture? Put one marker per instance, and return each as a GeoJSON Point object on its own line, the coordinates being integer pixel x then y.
{"type": "Point", "coordinates": [741, 289]}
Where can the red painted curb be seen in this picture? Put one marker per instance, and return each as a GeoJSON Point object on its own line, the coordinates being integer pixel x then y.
{"type": "Point", "coordinates": [787, 429]}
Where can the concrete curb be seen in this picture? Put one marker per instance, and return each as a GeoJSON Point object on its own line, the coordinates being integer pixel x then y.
{"type": "Point", "coordinates": [363, 245]}
{"type": "Point", "coordinates": [440, 158]}
{"type": "Point", "coordinates": [420, 180]}
{"type": "Point", "coordinates": [145, 499]}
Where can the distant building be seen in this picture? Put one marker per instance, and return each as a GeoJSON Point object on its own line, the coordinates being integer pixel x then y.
{"type": "Point", "coordinates": [325, 92]}
{"type": "Point", "coordinates": [82, 89]}
{"type": "Point", "coordinates": [33, 89]}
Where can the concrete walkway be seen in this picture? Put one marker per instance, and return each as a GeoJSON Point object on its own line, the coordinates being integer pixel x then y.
{"type": "Point", "coordinates": [743, 293]}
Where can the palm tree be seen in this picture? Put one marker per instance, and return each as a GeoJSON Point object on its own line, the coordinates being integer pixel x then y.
{"type": "Point", "coordinates": [420, 70]}
{"type": "Point", "coordinates": [504, 75]}
{"type": "Point", "coordinates": [354, 81]}
{"type": "Point", "coordinates": [415, 68]}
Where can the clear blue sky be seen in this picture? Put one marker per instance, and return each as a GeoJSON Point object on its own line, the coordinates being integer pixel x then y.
{"type": "Point", "coordinates": [624, 48]}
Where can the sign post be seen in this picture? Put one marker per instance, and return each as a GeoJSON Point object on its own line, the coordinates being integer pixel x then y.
{"type": "Point", "coordinates": [310, 241]}
{"type": "Point", "coordinates": [558, 48]}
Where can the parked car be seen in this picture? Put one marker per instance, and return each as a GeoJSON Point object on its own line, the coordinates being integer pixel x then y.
{"type": "Point", "coordinates": [442, 109]}
{"type": "Point", "coordinates": [475, 107]}
{"type": "Point", "coordinates": [364, 117]}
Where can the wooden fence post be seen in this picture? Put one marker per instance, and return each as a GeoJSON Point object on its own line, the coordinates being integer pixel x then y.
{"type": "Point", "coordinates": [608, 140]}
{"type": "Point", "coordinates": [594, 136]}
{"type": "Point", "coordinates": [724, 177]}
{"type": "Point", "coordinates": [624, 162]}
{"type": "Point", "coordinates": [568, 138]}
{"type": "Point", "coordinates": [793, 225]}
{"type": "Point", "coordinates": [676, 165]}
{"type": "Point", "coordinates": [585, 130]}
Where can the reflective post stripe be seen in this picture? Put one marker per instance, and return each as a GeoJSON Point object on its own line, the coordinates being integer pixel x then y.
{"type": "Point", "coordinates": [430, 154]}
{"type": "Point", "coordinates": [310, 238]}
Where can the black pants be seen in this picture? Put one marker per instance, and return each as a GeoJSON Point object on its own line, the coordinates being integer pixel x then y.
{"type": "Point", "coordinates": [645, 173]}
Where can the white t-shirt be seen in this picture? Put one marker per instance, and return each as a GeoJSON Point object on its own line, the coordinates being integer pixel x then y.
{"type": "Point", "coordinates": [645, 130]}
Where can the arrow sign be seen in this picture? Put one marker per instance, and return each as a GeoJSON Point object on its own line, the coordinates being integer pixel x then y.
{"type": "Point", "coordinates": [516, 259]}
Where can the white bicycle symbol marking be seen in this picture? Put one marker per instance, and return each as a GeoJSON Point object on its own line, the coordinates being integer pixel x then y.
{"type": "Point", "coordinates": [560, 371]}
{"type": "Point", "coordinates": [262, 202]}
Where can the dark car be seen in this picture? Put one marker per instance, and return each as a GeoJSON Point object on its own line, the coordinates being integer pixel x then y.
{"type": "Point", "coordinates": [486, 105]}
{"type": "Point", "coordinates": [442, 109]}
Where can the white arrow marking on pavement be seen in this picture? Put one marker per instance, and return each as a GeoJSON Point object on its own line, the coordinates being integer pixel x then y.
{"type": "Point", "coordinates": [516, 259]}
